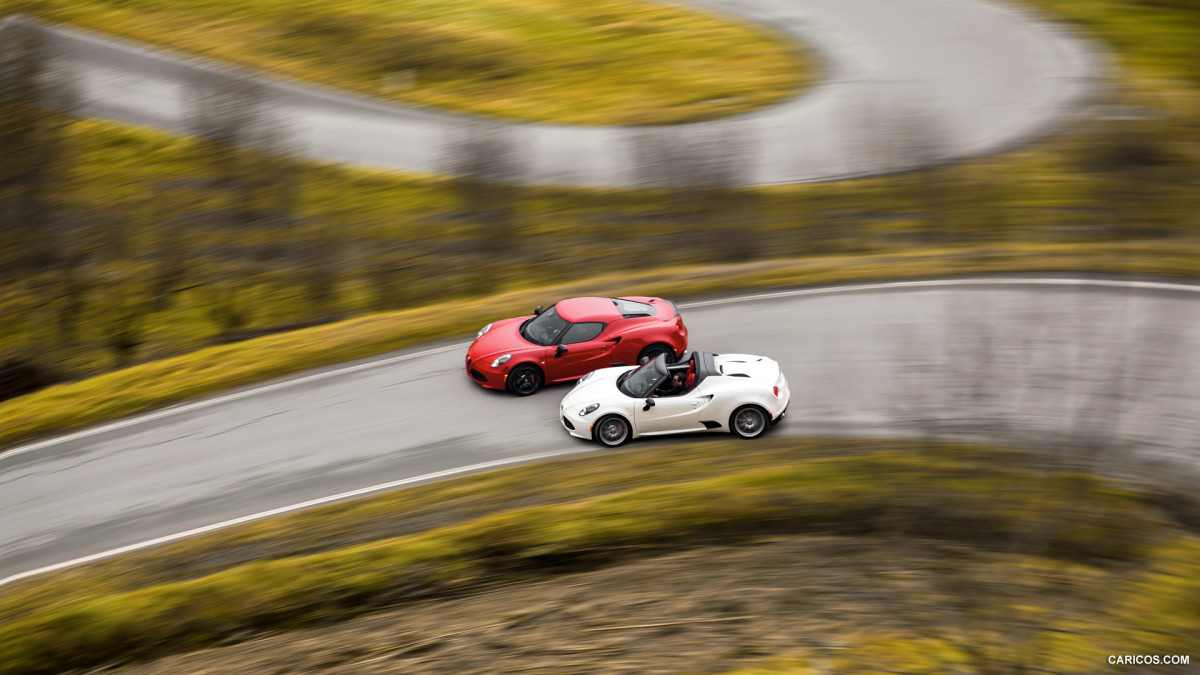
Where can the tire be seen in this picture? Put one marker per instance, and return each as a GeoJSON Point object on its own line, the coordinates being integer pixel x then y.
{"type": "Point", "coordinates": [748, 421]}
{"type": "Point", "coordinates": [654, 350]}
{"type": "Point", "coordinates": [612, 431]}
{"type": "Point", "coordinates": [524, 380]}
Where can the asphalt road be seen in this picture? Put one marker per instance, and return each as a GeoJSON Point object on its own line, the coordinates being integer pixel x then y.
{"type": "Point", "coordinates": [905, 82]}
{"type": "Point", "coordinates": [1057, 362]}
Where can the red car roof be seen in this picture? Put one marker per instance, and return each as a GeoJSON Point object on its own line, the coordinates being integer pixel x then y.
{"type": "Point", "coordinates": [587, 309]}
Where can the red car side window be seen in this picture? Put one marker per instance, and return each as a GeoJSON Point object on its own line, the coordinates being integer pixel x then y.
{"type": "Point", "coordinates": [582, 332]}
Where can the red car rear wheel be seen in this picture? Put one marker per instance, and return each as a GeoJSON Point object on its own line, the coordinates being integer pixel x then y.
{"type": "Point", "coordinates": [650, 353]}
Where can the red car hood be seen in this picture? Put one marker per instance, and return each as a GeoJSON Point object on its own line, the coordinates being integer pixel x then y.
{"type": "Point", "coordinates": [504, 337]}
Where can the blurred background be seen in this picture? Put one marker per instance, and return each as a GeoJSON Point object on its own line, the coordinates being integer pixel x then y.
{"type": "Point", "coordinates": [154, 203]}
{"type": "Point", "coordinates": [124, 244]}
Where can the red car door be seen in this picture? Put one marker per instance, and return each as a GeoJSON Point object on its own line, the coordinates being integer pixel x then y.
{"type": "Point", "coordinates": [587, 350]}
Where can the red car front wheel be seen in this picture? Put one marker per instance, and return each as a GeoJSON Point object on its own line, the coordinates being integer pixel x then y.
{"type": "Point", "coordinates": [524, 380]}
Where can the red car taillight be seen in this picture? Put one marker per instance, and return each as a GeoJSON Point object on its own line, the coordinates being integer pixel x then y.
{"type": "Point", "coordinates": [776, 390]}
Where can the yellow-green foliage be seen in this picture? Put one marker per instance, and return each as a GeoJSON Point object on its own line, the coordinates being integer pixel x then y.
{"type": "Point", "coordinates": [940, 494]}
{"type": "Point", "coordinates": [596, 62]}
{"type": "Point", "coordinates": [1154, 47]}
{"type": "Point", "coordinates": [969, 649]}
{"type": "Point", "coordinates": [1150, 37]}
{"type": "Point", "coordinates": [1166, 601]}
{"type": "Point", "coordinates": [409, 233]}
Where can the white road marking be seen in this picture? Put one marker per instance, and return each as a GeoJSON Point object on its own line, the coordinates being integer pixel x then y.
{"type": "Point", "coordinates": [292, 507]}
{"type": "Point", "coordinates": [928, 283]}
{"type": "Point", "coordinates": [188, 407]}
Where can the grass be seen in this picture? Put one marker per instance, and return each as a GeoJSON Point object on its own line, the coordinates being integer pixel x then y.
{"type": "Point", "coordinates": [1152, 40]}
{"type": "Point", "coordinates": [213, 369]}
{"type": "Point", "coordinates": [1153, 45]}
{"type": "Point", "coordinates": [611, 507]}
{"type": "Point", "coordinates": [602, 62]}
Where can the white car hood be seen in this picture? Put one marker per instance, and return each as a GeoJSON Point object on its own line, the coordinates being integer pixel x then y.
{"type": "Point", "coordinates": [600, 387]}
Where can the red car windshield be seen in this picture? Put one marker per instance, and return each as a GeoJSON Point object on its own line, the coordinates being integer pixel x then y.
{"type": "Point", "coordinates": [544, 328]}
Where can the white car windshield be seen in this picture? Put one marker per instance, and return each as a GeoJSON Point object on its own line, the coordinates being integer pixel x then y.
{"type": "Point", "coordinates": [639, 383]}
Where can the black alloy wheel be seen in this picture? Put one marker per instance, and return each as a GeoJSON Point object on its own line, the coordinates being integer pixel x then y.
{"type": "Point", "coordinates": [524, 380]}
{"type": "Point", "coordinates": [650, 353]}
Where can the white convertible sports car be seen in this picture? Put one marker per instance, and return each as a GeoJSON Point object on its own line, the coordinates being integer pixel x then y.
{"type": "Point", "coordinates": [736, 393]}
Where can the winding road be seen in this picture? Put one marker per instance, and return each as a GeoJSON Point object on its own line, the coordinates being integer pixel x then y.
{"type": "Point", "coordinates": [1091, 363]}
{"type": "Point", "coordinates": [904, 83]}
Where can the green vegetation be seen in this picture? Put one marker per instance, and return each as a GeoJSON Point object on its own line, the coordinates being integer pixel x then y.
{"type": "Point", "coordinates": [610, 508]}
{"type": "Point", "coordinates": [359, 241]}
{"type": "Point", "coordinates": [1155, 41]}
{"type": "Point", "coordinates": [600, 62]}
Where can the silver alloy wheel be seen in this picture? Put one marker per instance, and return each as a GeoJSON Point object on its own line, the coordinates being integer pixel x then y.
{"type": "Point", "coordinates": [749, 422]}
{"type": "Point", "coordinates": [613, 431]}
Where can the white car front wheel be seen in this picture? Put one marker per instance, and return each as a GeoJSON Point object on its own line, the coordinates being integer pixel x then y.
{"type": "Point", "coordinates": [612, 431]}
{"type": "Point", "coordinates": [748, 421]}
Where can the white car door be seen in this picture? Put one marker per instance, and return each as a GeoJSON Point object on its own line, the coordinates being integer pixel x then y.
{"type": "Point", "coordinates": [670, 414]}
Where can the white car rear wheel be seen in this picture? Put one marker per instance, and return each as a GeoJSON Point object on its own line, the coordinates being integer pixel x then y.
{"type": "Point", "coordinates": [748, 421]}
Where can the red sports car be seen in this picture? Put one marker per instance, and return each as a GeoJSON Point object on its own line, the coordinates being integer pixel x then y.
{"type": "Point", "coordinates": [573, 338]}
